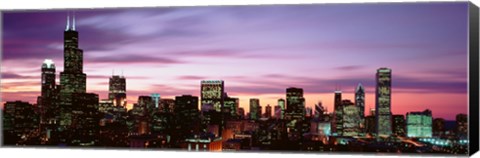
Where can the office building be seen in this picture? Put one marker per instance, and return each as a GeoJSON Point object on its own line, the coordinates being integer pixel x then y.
{"type": "Point", "coordinates": [419, 124]}
{"type": "Point", "coordinates": [117, 90]}
{"type": "Point", "coordinates": [383, 102]}
{"type": "Point", "coordinates": [213, 93]}
{"type": "Point", "coordinates": [255, 109]}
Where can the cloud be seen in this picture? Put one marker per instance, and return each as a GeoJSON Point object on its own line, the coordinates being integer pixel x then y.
{"type": "Point", "coordinates": [190, 77]}
{"type": "Point", "coordinates": [350, 67]}
{"type": "Point", "coordinates": [11, 75]}
{"type": "Point", "coordinates": [132, 59]}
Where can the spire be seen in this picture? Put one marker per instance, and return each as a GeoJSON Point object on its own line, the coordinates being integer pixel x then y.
{"type": "Point", "coordinates": [68, 22]}
{"type": "Point", "coordinates": [73, 26]}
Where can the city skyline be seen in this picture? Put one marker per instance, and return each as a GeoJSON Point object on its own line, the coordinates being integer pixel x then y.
{"type": "Point", "coordinates": [252, 66]}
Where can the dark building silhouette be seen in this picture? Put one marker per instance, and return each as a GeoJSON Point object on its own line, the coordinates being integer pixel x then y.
{"type": "Point", "coordinates": [461, 122]}
{"type": "Point", "coordinates": [20, 123]}
{"type": "Point", "coordinates": [84, 128]}
{"type": "Point", "coordinates": [383, 101]}
{"type": "Point", "coordinates": [398, 125]}
{"type": "Point", "coordinates": [268, 111]}
{"type": "Point", "coordinates": [241, 113]}
{"type": "Point", "coordinates": [337, 122]}
{"type": "Point", "coordinates": [117, 90]}
{"type": "Point", "coordinates": [438, 127]}
{"type": "Point", "coordinates": [360, 102]}
{"type": "Point", "coordinates": [295, 113]}
{"type": "Point", "coordinates": [187, 116]}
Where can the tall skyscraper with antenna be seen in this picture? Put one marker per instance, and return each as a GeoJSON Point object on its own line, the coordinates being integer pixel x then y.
{"type": "Point", "coordinates": [72, 79]}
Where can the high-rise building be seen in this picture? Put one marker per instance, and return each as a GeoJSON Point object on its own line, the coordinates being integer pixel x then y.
{"type": "Point", "coordinates": [337, 123]}
{"type": "Point", "coordinates": [461, 122]}
{"type": "Point", "coordinates": [213, 93]}
{"type": "Point", "coordinates": [419, 124]}
{"type": "Point", "coordinates": [295, 113]}
{"type": "Point", "coordinates": [383, 102]}
{"type": "Point", "coordinates": [398, 125]}
{"type": "Point", "coordinates": [360, 102]}
{"type": "Point", "coordinates": [268, 111]}
{"type": "Point", "coordinates": [255, 113]}
{"type": "Point", "coordinates": [117, 90]}
{"type": "Point", "coordinates": [295, 104]}
{"type": "Point", "coordinates": [72, 79]}
{"type": "Point", "coordinates": [48, 92]}
{"type": "Point", "coordinates": [231, 106]}
{"type": "Point", "coordinates": [281, 103]}
{"type": "Point", "coordinates": [186, 115]}
{"type": "Point", "coordinates": [350, 119]}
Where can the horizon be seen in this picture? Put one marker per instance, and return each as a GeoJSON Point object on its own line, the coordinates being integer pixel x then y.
{"type": "Point", "coordinates": [257, 55]}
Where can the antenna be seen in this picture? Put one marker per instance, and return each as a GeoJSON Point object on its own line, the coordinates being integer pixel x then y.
{"type": "Point", "coordinates": [73, 27]}
{"type": "Point", "coordinates": [68, 22]}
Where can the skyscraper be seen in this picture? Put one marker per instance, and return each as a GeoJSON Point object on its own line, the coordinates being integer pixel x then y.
{"type": "Point", "coordinates": [383, 111]}
{"type": "Point", "coordinates": [360, 103]}
{"type": "Point", "coordinates": [295, 113]}
{"type": "Point", "coordinates": [281, 103]}
{"type": "Point", "coordinates": [295, 104]}
{"type": "Point", "coordinates": [337, 123]}
{"type": "Point", "coordinates": [72, 79]}
{"type": "Point", "coordinates": [117, 90]}
{"type": "Point", "coordinates": [212, 93]}
{"type": "Point", "coordinates": [350, 119]}
{"type": "Point", "coordinates": [46, 99]}
{"type": "Point", "coordinates": [254, 109]}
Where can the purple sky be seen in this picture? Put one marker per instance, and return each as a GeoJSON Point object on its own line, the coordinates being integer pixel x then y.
{"type": "Point", "coordinates": [258, 50]}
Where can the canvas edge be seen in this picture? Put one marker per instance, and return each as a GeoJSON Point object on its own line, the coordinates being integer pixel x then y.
{"type": "Point", "coordinates": [474, 111]}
